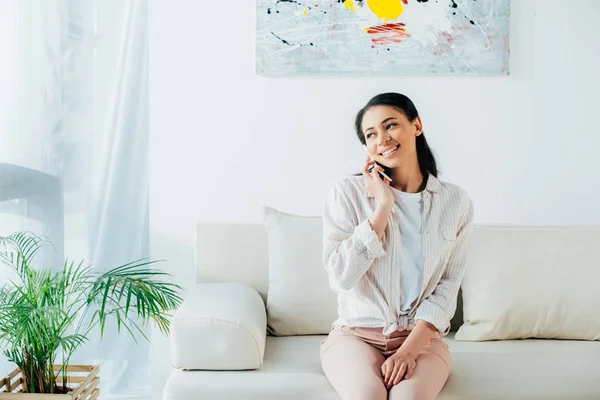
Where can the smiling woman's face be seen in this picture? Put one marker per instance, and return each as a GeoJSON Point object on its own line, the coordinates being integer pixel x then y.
{"type": "Point", "coordinates": [389, 136]}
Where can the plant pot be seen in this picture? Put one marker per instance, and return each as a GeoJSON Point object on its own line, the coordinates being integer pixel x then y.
{"type": "Point", "coordinates": [82, 379]}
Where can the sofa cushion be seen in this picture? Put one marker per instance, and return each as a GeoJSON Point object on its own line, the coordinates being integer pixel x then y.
{"type": "Point", "coordinates": [523, 369]}
{"type": "Point", "coordinates": [517, 369]}
{"type": "Point", "coordinates": [299, 300]}
{"type": "Point", "coordinates": [532, 282]}
{"type": "Point", "coordinates": [291, 371]}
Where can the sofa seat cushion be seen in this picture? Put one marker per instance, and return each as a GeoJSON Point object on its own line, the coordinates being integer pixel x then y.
{"type": "Point", "coordinates": [518, 369]}
{"type": "Point", "coordinates": [291, 371]}
{"type": "Point", "coordinates": [531, 369]}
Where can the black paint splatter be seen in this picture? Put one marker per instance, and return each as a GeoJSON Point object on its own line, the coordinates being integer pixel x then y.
{"type": "Point", "coordinates": [288, 43]}
{"type": "Point", "coordinates": [268, 10]}
{"type": "Point", "coordinates": [472, 22]}
{"type": "Point", "coordinates": [422, 1]}
{"type": "Point", "coordinates": [301, 5]}
{"type": "Point", "coordinates": [453, 5]}
{"type": "Point", "coordinates": [280, 38]}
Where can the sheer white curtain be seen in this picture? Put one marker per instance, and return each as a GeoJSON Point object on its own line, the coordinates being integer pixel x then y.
{"type": "Point", "coordinates": [74, 147]}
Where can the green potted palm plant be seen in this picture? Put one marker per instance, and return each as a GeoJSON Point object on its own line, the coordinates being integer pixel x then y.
{"type": "Point", "coordinates": [46, 315]}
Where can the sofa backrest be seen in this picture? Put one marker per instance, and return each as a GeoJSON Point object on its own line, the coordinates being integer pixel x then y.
{"type": "Point", "coordinates": [229, 252]}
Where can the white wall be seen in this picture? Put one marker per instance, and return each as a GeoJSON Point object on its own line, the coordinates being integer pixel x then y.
{"type": "Point", "coordinates": [8, 25]}
{"type": "Point", "coordinates": [224, 141]}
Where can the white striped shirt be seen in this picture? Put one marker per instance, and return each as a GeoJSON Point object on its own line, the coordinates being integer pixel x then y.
{"type": "Point", "coordinates": [364, 271]}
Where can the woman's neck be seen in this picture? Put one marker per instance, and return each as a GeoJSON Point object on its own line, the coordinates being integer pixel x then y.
{"type": "Point", "coordinates": [408, 180]}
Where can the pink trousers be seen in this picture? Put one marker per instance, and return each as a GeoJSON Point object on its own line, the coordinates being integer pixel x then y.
{"type": "Point", "coordinates": [352, 357]}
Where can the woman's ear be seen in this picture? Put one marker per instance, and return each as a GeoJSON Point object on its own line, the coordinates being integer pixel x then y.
{"type": "Point", "coordinates": [418, 124]}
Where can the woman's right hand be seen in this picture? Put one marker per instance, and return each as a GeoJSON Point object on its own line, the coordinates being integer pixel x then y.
{"type": "Point", "coordinates": [375, 184]}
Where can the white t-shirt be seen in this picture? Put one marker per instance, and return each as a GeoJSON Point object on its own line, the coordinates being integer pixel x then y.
{"type": "Point", "coordinates": [410, 209]}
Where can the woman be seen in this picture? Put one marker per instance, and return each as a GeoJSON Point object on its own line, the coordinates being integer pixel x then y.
{"type": "Point", "coordinates": [395, 254]}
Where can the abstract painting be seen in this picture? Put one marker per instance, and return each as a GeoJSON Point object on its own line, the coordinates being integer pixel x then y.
{"type": "Point", "coordinates": [386, 37]}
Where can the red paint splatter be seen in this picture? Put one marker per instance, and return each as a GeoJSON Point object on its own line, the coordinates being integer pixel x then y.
{"type": "Point", "coordinates": [447, 37]}
{"type": "Point", "coordinates": [388, 33]}
{"type": "Point", "coordinates": [444, 42]}
{"type": "Point", "coordinates": [398, 27]}
{"type": "Point", "coordinates": [385, 40]}
{"type": "Point", "coordinates": [405, 1]}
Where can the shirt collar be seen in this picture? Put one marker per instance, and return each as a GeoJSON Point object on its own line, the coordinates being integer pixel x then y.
{"type": "Point", "coordinates": [433, 185]}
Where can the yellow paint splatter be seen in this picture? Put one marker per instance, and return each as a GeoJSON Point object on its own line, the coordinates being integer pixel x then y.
{"type": "Point", "coordinates": [304, 13]}
{"type": "Point", "coordinates": [386, 9]}
{"type": "Point", "coordinates": [349, 4]}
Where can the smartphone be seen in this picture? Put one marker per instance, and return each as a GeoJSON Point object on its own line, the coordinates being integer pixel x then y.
{"type": "Point", "coordinates": [373, 166]}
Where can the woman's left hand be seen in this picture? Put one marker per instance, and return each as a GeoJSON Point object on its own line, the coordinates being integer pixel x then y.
{"type": "Point", "coordinates": [397, 367]}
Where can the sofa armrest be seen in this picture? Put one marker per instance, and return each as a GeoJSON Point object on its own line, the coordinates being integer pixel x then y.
{"type": "Point", "coordinates": [219, 326]}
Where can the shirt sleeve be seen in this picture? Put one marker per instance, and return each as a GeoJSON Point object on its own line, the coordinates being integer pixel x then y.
{"type": "Point", "coordinates": [439, 307]}
{"type": "Point", "coordinates": [349, 246]}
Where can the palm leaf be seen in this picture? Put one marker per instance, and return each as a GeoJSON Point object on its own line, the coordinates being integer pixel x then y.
{"type": "Point", "coordinates": [46, 310]}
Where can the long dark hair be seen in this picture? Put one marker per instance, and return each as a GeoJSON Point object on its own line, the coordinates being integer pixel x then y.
{"type": "Point", "coordinates": [400, 102]}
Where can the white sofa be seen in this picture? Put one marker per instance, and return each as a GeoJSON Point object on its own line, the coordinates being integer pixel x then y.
{"type": "Point", "coordinates": [221, 348]}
